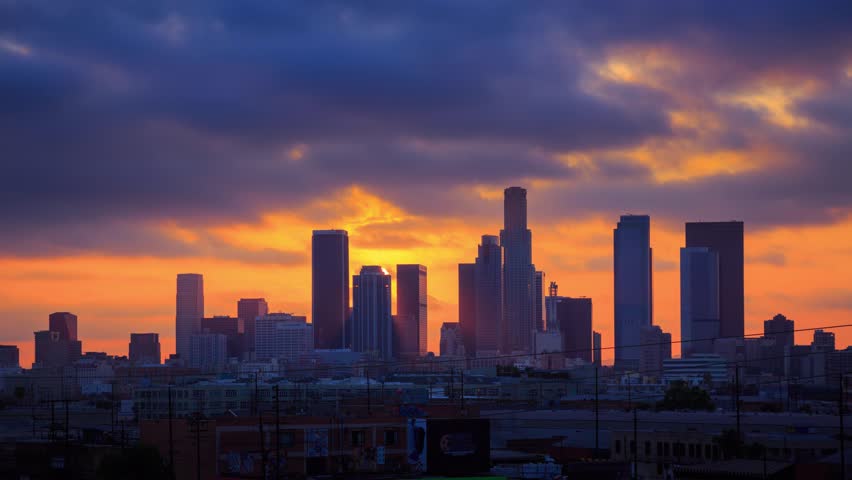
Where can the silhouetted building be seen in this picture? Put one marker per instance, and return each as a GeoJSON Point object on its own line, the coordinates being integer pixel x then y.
{"type": "Point", "coordinates": [551, 321]}
{"type": "Point", "coordinates": [699, 300]}
{"type": "Point", "coordinates": [189, 310]}
{"type": "Point", "coordinates": [597, 359]}
{"type": "Point", "coordinates": [780, 331]}
{"type": "Point", "coordinates": [9, 356]}
{"type": "Point", "coordinates": [248, 309]}
{"type": "Point", "coordinates": [65, 324]}
{"type": "Point", "coordinates": [823, 341]}
{"type": "Point", "coordinates": [451, 340]}
{"type": "Point", "coordinates": [410, 327]}
{"type": "Point", "coordinates": [372, 323]}
{"type": "Point", "coordinates": [330, 287]}
{"type": "Point", "coordinates": [726, 239]}
{"type": "Point", "coordinates": [467, 306]}
{"type": "Point", "coordinates": [518, 272]}
{"type": "Point", "coordinates": [233, 330]}
{"type": "Point", "coordinates": [633, 286]}
{"type": "Point", "coordinates": [490, 324]}
{"type": "Point", "coordinates": [208, 352]}
{"type": "Point", "coordinates": [575, 325]}
{"type": "Point", "coordinates": [539, 302]}
{"type": "Point", "coordinates": [283, 336]}
{"type": "Point", "coordinates": [144, 348]}
{"type": "Point", "coordinates": [656, 348]}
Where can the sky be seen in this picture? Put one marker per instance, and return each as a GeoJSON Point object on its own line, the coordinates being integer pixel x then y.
{"type": "Point", "coordinates": [139, 140]}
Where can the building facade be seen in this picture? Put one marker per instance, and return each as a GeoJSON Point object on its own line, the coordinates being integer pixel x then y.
{"type": "Point", "coordinates": [633, 287]}
{"type": "Point", "coordinates": [232, 328]}
{"type": "Point", "coordinates": [596, 347]}
{"type": "Point", "coordinates": [656, 348]}
{"type": "Point", "coordinates": [189, 310]}
{"type": "Point", "coordinates": [490, 322]}
{"type": "Point", "coordinates": [699, 300]}
{"type": "Point", "coordinates": [518, 272]}
{"type": "Point", "coordinates": [452, 344]}
{"type": "Point", "coordinates": [372, 322]}
{"type": "Point", "coordinates": [539, 302]}
{"type": "Point", "coordinates": [467, 306]}
{"type": "Point", "coordinates": [248, 309]}
{"type": "Point", "coordinates": [10, 356]}
{"type": "Point", "coordinates": [410, 329]}
{"type": "Point", "coordinates": [208, 352]}
{"type": "Point", "coordinates": [330, 287]}
{"type": "Point", "coordinates": [144, 349]}
{"type": "Point", "coordinates": [283, 336]}
{"type": "Point", "coordinates": [575, 326]}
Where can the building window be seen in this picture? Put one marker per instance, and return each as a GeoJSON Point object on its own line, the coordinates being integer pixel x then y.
{"type": "Point", "coordinates": [632, 447]}
{"type": "Point", "coordinates": [647, 449]}
{"type": "Point", "coordinates": [390, 437]}
{"type": "Point", "coordinates": [666, 449]}
{"type": "Point", "coordinates": [358, 438]}
{"type": "Point", "coordinates": [618, 446]}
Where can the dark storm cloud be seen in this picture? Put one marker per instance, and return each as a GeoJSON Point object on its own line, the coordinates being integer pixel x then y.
{"type": "Point", "coordinates": [147, 111]}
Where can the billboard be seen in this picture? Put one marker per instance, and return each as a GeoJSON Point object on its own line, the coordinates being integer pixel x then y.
{"type": "Point", "coordinates": [460, 446]}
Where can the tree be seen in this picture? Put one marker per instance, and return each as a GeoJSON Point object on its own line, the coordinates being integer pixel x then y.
{"type": "Point", "coordinates": [681, 396]}
{"type": "Point", "coordinates": [136, 463]}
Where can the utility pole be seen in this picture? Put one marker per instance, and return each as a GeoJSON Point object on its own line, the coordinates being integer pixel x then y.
{"type": "Point", "coordinates": [369, 397]}
{"type": "Point", "coordinates": [462, 389]}
{"type": "Point", "coordinates": [597, 419]}
{"type": "Point", "coordinates": [32, 405]}
{"type": "Point", "coordinates": [171, 436]}
{"type": "Point", "coordinates": [840, 408]}
{"type": "Point", "coordinates": [262, 441]}
{"type": "Point", "coordinates": [198, 447]}
{"type": "Point", "coordinates": [737, 401]}
{"type": "Point", "coordinates": [67, 455]}
{"type": "Point", "coordinates": [635, 447]}
{"type": "Point", "coordinates": [277, 435]}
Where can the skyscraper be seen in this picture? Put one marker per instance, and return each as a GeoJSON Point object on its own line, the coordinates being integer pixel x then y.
{"type": "Point", "coordinates": [551, 321]}
{"type": "Point", "coordinates": [283, 336]}
{"type": "Point", "coordinates": [633, 286]}
{"type": "Point", "coordinates": [144, 349]}
{"type": "Point", "coordinates": [539, 302]}
{"type": "Point", "coordinates": [189, 310]}
{"type": "Point", "coordinates": [330, 287]}
{"type": "Point", "coordinates": [726, 239]}
{"type": "Point", "coordinates": [781, 329]}
{"type": "Point", "coordinates": [208, 352]}
{"type": "Point", "coordinates": [575, 326]}
{"type": "Point", "coordinates": [596, 348]}
{"type": "Point", "coordinates": [656, 347]}
{"type": "Point", "coordinates": [58, 346]}
{"type": "Point", "coordinates": [233, 330]}
{"type": "Point", "coordinates": [451, 341]}
{"type": "Point", "coordinates": [467, 306]}
{"type": "Point", "coordinates": [411, 311]}
{"type": "Point", "coordinates": [823, 341]}
{"type": "Point", "coordinates": [490, 322]}
{"type": "Point", "coordinates": [248, 309]}
{"type": "Point", "coordinates": [65, 324]}
{"type": "Point", "coordinates": [372, 325]}
{"type": "Point", "coordinates": [518, 272]}
{"type": "Point", "coordinates": [699, 300]}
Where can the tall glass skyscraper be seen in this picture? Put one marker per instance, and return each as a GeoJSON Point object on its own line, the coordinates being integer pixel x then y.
{"type": "Point", "coordinates": [330, 287]}
{"type": "Point", "coordinates": [699, 300]}
{"type": "Point", "coordinates": [467, 306]}
{"type": "Point", "coordinates": [490, 325]}
{"type": "Point", "coordinates": [411, 311]}
{"type": "Point", "coordinates": [633, 287]}
{"type": "Point", "coordinates": [518, 272]}
{"type": "Point", "coordinates": [372, 325]}
{"type": "Point", "coordinates": [189, 311]}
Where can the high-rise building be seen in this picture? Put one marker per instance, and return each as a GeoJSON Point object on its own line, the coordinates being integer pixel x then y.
{"type": "Point", "coordinates": [9, 356]}
{"type": "Point", "coordinates": [575, 325]}
{"type": "Point", "coordinates": [144, 349]}
{"type": "Point", "coordinates": [633, 287]}
{"type": "Point", "coordinates": [596, 347]}
{"type": "Point", "coordinates": [539, 302]}
{"type": "Point", "coordinates": [411, 311]}
{"type": "Point", "coordinates": [551, 321]}
{"type": "Point", "coordinates": [699, 300]}
{"type": "Point", "coordinates": [781, 329]}
{"type": "Point", "coordinates": [518, 272]}
{"type": "Point", "coordinates": [656, 348]}
{"type": "Point", "coordinates": [283, 336]}
{"type": "Point", "coordinates": [823, 341]}
{"type": "Point", "coordinates": [451, 340]}
{"type": "Point", "coordinates": [248, 309]}
{"type": "Point", "coordinates": [467, 306]}
{"type": "Point", "coordinates": [189, 310]}
{"type": "Point", "coordinates": [232, 328]}
{"type": "Point", "coordinates": [65, 324]}
{"type": "Point", "coordinates": [330, 287]}
{"type": "Point", "coordinates": [490, 325]}
{"type": "Point", "coordinates": [726, 239]}
{"type": "Point", "coordinates": [372, 323]}
{"type": "Point", "coordinates": [208, 352]}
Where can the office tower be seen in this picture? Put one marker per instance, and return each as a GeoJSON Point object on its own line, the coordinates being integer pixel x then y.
{"type": "Point", "coordinates": [518, 272]}
{"type": "Point", "coordinates": [823, 341]}
{"type": "Point", "coordinates": [248, 309]}
{"type": "Point", "coordinates": [699, 300]}
{"type": "Point", "coordinates": [490, 325]}
{"type": "Point", "coordinates": [9, 356]}
{"type": "Point", "coordinates": [781, 329]}
{"type": "Point", "coordinates": [551, 321]}
{"type": "Point", "coordinates": [726, 239]}
{"type": "Point", "coordinates": [372, 325]}
{"type": "Point", "coordinates": [409, 326]}
{"type": "Point", "coordinates": [467, 306]}
{"type": "Point", "coordinates": [65, 324]}
{"type": "Point", "coordinates": [656, 348]}
{"type": "Point", "coordinates": [539, 302]}
{"type": "Point", "coordinates": [189, 310]}
{"type": "Point", "coordinates": [144, 349]}
{"type": "Point", "coordinates": [232, 328]}
{"type": "Point", "coordinates": [633, 287]}
{"type": "Point", "coordinates": [451, 340]}
{"type": "Point", "coordinates": [330, 287]}
{"type": "Point", "coordinates": [575, 325]}
{"type": "Point", "coordinates": [283, 336]}
{"type": "Point", "coordinates": [596, 346]}
{"type": "Point", "coordinates": [208, 352]}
